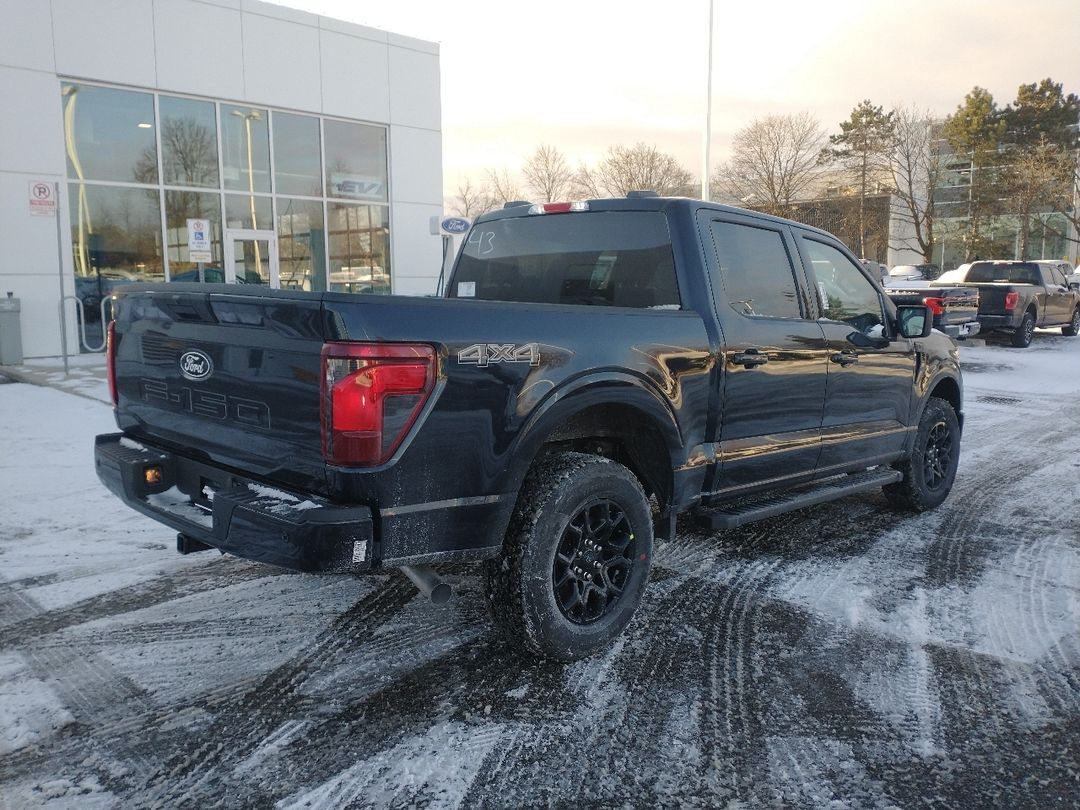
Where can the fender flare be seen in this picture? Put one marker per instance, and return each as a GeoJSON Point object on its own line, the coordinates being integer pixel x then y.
{"type": "Point", "coordinates": [589, 390]}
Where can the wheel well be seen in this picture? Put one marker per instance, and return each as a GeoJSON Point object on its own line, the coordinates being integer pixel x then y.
{"type": "Point", "coordinates": [623, 434]}
{"type": "Point", "coordinates": [948, 390]}
{"type": "Point", "coordinates": [1033, 310]}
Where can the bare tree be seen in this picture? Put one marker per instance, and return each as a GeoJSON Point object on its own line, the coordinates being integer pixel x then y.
{"type": "Point", "coordinates": [501, 187]}
{"type": "Point", "coordinates": [471, 200]}
{"type": "Point", "coordinates": [634, 168]}
{"type": "Point", "coordinates": [547, 174]}
{"type": "Point", "coordinates": [585, 184]}
{"type": "Point", "coordinates": [1037, 177]}
{"type": "Point", "coordinates": [774, 161]}
{"type": "Point", "coordinates": [916, 171]}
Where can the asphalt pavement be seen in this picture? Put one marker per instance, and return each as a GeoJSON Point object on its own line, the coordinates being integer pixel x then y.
{"type": "Point", "coordinates": [846, 655]}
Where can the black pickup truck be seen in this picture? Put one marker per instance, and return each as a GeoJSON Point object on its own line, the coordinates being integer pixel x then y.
{"type": "Point", "coordinates": [955, 309]}
{"type": "Point", "coordinates": [595, 370]}
{"type": "Point", "coordinates": [1018, 296]}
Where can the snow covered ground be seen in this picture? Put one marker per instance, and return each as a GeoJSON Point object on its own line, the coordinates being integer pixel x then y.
{"type": "Point", "coordinates": [844, 656]}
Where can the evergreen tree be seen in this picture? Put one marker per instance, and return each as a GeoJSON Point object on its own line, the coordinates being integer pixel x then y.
{"type": "Point", "coordinates": [975, 133]}
{"type": "Point", "coordinates": [863, 146]}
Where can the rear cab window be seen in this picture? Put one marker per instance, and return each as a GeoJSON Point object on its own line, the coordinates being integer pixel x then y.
{"type": "Point", "coordinates": [602, 258]}
{"type": "Point", "coordinates": [1004, 272]}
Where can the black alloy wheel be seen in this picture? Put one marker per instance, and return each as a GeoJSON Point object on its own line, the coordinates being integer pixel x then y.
{"type": "Point", "coordinates": [937, 456]}
{"type": "Point", "coordinates": [1073, 328]}
{"type": "Point", "coordinates": [1025, 332]}
{"type": "Point", "coordinates": [593, 562]}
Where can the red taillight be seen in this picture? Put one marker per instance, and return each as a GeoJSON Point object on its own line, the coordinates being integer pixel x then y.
{"type": "Point", "coordinates": [559, 207]}
{"type": "Point", "coordinates": [371, 396]}
{"type": "Point", "coordinates": [1012, 298]}
{"type": "Point", "coordinates": [936, 305]}
{"type": "Point", "coordinates": [110, 358]}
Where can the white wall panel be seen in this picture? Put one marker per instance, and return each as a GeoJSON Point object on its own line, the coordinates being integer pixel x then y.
{"type": "Point", "coordinates": [415, 165]}
{"type": "Point", "coordinates": [414, 88]}
{"type": "Point", "coordinates": [198, 49]}
{"type": "Point", "coordinates": [31, 122]}
{"type": "Point", "coordinates": [281, 63]}
{"type": "Point", "coordinates": [355, 77]}
{"type": "Point", "coordinates": [416, 253]}
{"type": "Point", "coordinates": [26, 34]}
{"type": "Point", "coordinates": [107, 40]}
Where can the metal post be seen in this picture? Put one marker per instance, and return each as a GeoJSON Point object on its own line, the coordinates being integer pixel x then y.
{"type": "Point", "coordinates": [708, 114]}
{"type": "Point", "coordinates": [60, 273]}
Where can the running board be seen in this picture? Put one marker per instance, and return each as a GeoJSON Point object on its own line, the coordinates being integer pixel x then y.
{"type": "Point", "coordinates": [747, 512]}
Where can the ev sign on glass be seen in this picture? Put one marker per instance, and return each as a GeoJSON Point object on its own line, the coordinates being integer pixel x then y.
{"type": "Point", "coordinates": [198, 234]}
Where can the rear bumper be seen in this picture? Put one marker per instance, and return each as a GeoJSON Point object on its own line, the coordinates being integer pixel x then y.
{"type": "Point", "coordinates": [243, 517]}
{"type": "Point", "coordinates": [959, 331]}
{"type": "Point", "coordinates": [989, 323]}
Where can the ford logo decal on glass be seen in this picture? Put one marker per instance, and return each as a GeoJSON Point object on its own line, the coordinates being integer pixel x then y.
{"type": "Point", "coordinates": [455, 225]}
{"type": "Point", "coordinates": [196, 365]}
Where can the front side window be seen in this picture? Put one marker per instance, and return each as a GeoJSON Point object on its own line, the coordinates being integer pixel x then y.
{"type": "Point", "coordinates": [756, 278]}
{"type": "Point", "coordinates": [845, 293]}
{"type": "Point", "coordinates": [616, 258]}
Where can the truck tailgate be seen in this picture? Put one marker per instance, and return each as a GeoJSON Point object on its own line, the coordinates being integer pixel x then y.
{"type": "Point", "coordinates": [236, 376]}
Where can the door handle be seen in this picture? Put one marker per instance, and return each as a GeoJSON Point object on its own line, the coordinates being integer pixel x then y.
{"type": "Point", "coordinates": [844, 358]}
{"type": "Point", "coordinates": [750, 358]}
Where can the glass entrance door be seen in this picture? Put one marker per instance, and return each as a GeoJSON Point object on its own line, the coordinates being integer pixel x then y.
{"type": "Point", "coordinates": [251, 257]}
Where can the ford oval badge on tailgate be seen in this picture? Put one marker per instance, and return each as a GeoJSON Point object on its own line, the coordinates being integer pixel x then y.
{"type": "Point", "coordinates": [196, 365]}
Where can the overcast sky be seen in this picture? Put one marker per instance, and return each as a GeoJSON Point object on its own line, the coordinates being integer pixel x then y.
{"type": "Point", "coordinates": [585, 74]}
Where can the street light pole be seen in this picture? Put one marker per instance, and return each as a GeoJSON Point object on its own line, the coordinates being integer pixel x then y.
{"type": "Point", "coordinates": [708, 113]}
{"type": "Point", "coordinates": [248, 118]}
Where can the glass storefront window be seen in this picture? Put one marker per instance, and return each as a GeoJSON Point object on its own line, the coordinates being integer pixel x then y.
{"type": "Point", "coordinates": [320, 184]}
{"type": "Point", "coordinates": [301, 244]}
{"type": "Point", "coordinates": [115, 237]}
{"type": "Point", "coordinates": [359, 248]}
{"type": "Point", "coordinates": [245, 147]}
{"type": "Point", "coordinates": [180, 206]}
{"type": "Point", "coordinates": [297, 158]}
{"type": "Point", "coordinates": [355, 161]}
{"type": "Point", "coordinates": [109, 134]}
{"type": "Point", "coordinates": [188, 142]}
{"type": "Point", "coordinates": [248, 211]}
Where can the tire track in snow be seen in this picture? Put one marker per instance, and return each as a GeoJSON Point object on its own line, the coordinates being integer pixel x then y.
{"type": "Point", "coordinates": [210, 577]}
{"type": "Point", "coordinates": [187, 779]}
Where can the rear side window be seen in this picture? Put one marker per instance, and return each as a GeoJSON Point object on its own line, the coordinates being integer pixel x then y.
{"type": "Point", "coordinates": [756, 276]}
{"type": "Point", "coordinates": [602, 258]}
{"type": "Point", "coordinates": [1011, 272]}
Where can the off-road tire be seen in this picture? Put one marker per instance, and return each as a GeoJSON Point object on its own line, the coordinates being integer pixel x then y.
{"type": "Point", "coordinates": [1073, 328]}
{"type": "Point", "coordinates": [520, 582]}
{"type": "Point", "coordinates": [914, 492]}
{"type": "Point", "coordinates": [1021, 338]}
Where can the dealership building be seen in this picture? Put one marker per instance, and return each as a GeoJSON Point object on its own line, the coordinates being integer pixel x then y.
{"type": "Point", "coordinates": [209, 140]}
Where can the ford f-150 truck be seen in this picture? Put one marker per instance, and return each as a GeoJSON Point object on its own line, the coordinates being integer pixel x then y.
{"type": "Point", "coordinates": [595, 370]}
{"type": "Point", "coordinates": [1017, 296]}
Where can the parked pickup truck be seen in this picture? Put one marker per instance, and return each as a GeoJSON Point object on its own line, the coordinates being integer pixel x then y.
{"type": "Point", "coordinates": [596, 369]}
{"type": "Point", "coordinates": [955, 309]}
{"type": "Point", "coordinates": [1018, 296]}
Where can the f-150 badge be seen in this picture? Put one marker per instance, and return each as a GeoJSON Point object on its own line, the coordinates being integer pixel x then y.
{"type": "Point", "coordinates": [483, 354]}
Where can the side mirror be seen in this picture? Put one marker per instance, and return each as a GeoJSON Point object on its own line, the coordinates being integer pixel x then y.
{"type": "Point", "coordinates": [914, 321]}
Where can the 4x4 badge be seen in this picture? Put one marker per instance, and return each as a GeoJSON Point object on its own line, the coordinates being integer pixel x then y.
{"type": "Point", "coordinates": [196, 365]}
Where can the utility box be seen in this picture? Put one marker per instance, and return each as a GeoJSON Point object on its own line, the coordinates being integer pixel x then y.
{"type": "Point", "coordinates": [10, 332]}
